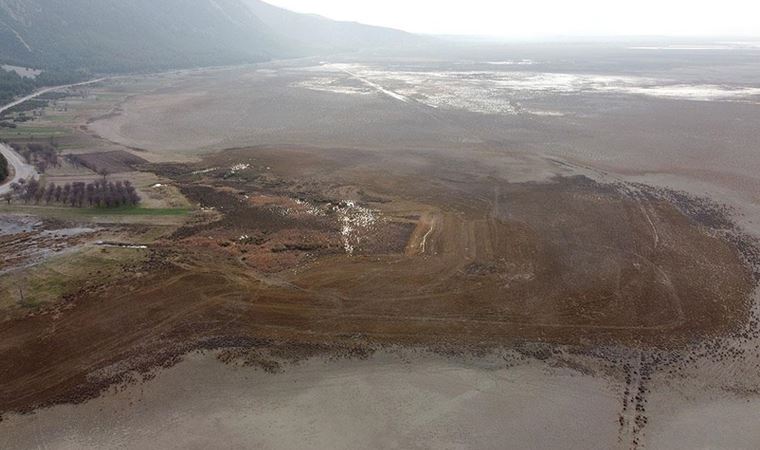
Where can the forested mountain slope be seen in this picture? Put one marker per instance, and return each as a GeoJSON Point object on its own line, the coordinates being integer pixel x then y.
{"type": "Point", "coordinates": [119, 35]}
{"type": "Point", "coordinates": [129, 35]}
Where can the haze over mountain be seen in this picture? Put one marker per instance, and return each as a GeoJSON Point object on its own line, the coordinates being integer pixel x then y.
{"type": "Point", "coordinates": [117, 35]}
{"type": "Point", "coordinates": [317, 33]}
{"type": "Point", "coordinates": [546, 19]}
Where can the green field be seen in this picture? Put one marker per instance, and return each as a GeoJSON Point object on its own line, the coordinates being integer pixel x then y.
{"type": "Point", "coordinates": [67, 212]}
{"type": "Point", "coordinates": [134, 211]}
{"type": "Point", "coordinates": [43, 210]}
{"type": "Point", "coordinates": [28, 132]}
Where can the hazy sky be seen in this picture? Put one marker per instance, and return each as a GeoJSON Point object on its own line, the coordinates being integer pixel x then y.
{"type": "Point", "coordinates": [527, 18]}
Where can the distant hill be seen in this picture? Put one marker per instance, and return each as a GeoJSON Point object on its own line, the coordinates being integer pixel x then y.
{"type": "Point", "coordinates": [128, 35]}
{"type": "Point", "coordinates": [312, 33]}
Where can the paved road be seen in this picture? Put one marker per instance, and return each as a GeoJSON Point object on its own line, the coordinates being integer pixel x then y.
{"type": "Point", "coordinates": [44, 91]}
{"type": "Point", "coordinates": [21, 168]}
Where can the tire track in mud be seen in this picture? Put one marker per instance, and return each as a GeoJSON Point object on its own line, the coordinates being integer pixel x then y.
{"type": "Point", "coordinates": [425, 237]}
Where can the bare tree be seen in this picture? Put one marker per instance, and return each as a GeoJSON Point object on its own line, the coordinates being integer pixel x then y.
{"type": "Point", "coordinates": [66, 193]}
{"type": "Point", "coordinates": [90, 193]}
{"type": "Point", "coordinates": [50, 192]}
{"type": "Point", "coordinates": [39, 193]}
{"type": "Point", "coordinates": [30, 190]}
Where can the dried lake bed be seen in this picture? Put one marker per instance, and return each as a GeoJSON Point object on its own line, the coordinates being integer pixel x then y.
{"type": "Point", "coordinates": [542, 254]}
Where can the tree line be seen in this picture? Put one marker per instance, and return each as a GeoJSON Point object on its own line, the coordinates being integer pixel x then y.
{"type": "Point", "coordinates": [42, 156]}
{"type": "Point", "coordinates": [13, 85]}
{"type": "Point", "coordinates": [99, 193]}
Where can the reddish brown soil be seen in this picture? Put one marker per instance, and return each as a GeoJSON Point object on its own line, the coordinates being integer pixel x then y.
{"type": "Point", "coordinates": [461, 262]}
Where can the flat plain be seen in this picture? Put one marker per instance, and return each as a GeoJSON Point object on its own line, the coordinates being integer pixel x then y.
{"type": "Point", "coordinates": [577, 222]}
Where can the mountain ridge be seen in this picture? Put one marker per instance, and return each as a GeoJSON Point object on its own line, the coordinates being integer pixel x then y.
{"type": "Point", "coordinates": [137, 35]}
{"type": "Point", "coordinates": [319, 33]}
